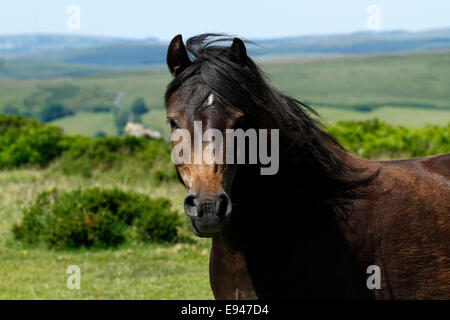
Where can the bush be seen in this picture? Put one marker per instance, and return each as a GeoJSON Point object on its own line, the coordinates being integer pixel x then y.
{"type": "Point", "coordinates": [152, 226]}
{"type": "Point", "coordinates": [139, 106]}
{"type": "Point", "coordinates": [26, 142]}
{"type": "Point", "coordinates": [100, 134]}
{"type": "Point", "coordinates": [95, 218]}
{"type": "Point", "coordinates": [83, 155]}
{"type": "Point", "coordinates": [160, 176]}
{"type": "Point", "coordinates": [100, 109]}
{"type": "Point", "coordinates": [8, 109]}
{"type": "Point", "coordinates": [374, 139]}
{"type": "Point", "coordinates": [54, 111]}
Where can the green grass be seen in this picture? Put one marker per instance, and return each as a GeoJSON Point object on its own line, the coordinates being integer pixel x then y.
{"type": "Point", "coordinates": [88, 123]}
{"type": "Point", "coordinates": [42, 70]}
{"type": "Point", "coordinates": [133, 271]}
{"type": "Point", "coordinates": [396, 116]}
{"type": "Point", "coordinates": [406, 79]}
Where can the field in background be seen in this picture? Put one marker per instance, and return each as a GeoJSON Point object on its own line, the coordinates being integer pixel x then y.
{"type": "Point", "coordinates": [402, 80]}
{"type": "Point", "coordinates": [408, 89]}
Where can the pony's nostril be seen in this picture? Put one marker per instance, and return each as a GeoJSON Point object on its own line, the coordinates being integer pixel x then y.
{"type": "Point", "coordinates": [196, 207]}
{"type": "Point", "coordinates": [191, 205]}
{"type": "Point", "coordinates": [223, 205]}
{"type": "Point", "coordinates": [189, 200]}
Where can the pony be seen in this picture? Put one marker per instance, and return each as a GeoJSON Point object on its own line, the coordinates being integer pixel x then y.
{"type": "Point", "coordinates": [328, 223]}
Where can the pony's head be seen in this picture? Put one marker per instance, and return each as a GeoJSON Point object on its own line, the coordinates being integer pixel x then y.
{"type": "Point", "coordinates": [215, 92]}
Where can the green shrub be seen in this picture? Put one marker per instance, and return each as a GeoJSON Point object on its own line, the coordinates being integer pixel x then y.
{"type": "Point", "coordinates": [160, 176]}
{"type": "Point", "coordinates": [374, 139]}
{"type": "Point", "coordinates": [139, 107]}
{"type": "Point", "coordinates": [100, 134]}
{"type": "Point", "coordinates": [83, 155]}
{"type": "Point", "coordinates": [8, 109]}
{"type": "Point", "coordinates": [95, 218]}
{"type": "Point", "coordinates": [153, 226]}
{"type": "Point", "coordinates": [24, 141]}
{"type": "Point", "coordinates": [99, 109]}
{"type": "Point", "coordinates": [54, 111]}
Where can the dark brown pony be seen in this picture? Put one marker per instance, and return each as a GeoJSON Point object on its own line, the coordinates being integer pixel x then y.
{"type": "Point", "coordinates": [312, 229]}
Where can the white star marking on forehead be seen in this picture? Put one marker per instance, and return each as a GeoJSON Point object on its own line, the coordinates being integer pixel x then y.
{"type": "Point", "coordinates": [210, 100]}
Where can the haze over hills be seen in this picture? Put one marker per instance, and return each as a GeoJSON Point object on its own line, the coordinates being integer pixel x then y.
{"type": "Point", "coordinates": [357, 43]}
{"type": "Point", "coordinates": [104, 53]}
{"type": "Point", "coordinates": [44, 42]}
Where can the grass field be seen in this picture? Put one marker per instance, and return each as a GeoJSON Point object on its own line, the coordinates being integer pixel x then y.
{"type": "Point", "coordinates": [133, 271]}
{"type": "Point", "coordinates": [88, 123]}
{"type": "Point", "coordinates": [419, 79]}
{"type": "Point", "coordinates": [26, 69]}
{"type": "Point", "coordinates": [395, 116]}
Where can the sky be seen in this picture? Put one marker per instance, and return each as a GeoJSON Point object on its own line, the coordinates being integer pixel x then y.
{"type": "Point", "coordinates": [250, 19]}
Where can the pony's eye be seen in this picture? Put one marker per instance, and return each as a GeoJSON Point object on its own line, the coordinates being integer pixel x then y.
{"type": "Point", "coordinates": [172, 123]}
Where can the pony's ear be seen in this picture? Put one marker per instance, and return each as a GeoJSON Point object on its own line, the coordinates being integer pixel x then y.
{"type": "Point", "coordinates": [238, 52]}
{"type": "Point", "coordinates": [177, 57]}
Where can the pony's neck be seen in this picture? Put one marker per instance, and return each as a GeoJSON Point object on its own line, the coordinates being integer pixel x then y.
{"type": "Point", "coordinates": [304, 192]}
{"type": "Point", "coordinates": [287, 224]}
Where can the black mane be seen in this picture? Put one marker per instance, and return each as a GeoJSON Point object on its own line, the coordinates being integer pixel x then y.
{"type": "Point", "coordinates": [243, 85]}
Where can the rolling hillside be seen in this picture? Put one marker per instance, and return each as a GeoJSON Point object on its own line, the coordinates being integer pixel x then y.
{"type": "Point", "coordinates": [409, 89]}
{"type": "Point", "coordinates": [357, 43]}
{"type": "Point", "coordinates": [12, 69]}
{"type": "Point", "coordinates": [132, 53]}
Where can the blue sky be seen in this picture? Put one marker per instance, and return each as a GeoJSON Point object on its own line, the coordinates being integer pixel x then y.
{"type": "Point", "coordinates": [250, 19]}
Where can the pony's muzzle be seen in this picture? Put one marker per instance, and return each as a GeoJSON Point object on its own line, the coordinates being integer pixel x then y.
{"type": "Point", "coordinates": [208, 217]}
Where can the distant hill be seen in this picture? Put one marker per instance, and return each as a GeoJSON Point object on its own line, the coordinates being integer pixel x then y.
{"type": "Point", "coordinates": [44, 42]}
{"type": "Point", "coordinates": [356, 43]}
{"type": "Point", "coordinates": [131, 53]}
{"type": "Point", "coordinates": [11, 69]}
